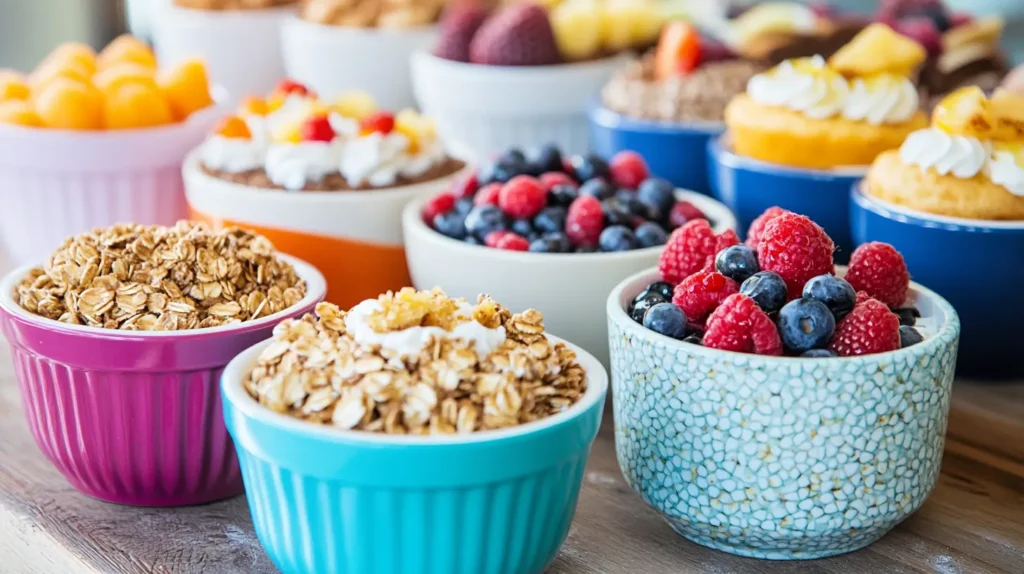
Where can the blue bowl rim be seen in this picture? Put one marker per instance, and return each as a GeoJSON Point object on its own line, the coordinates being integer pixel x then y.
{"type": "Point", "coordinates": [606, 117]}
{"type": "Point", "coordinates": [720, 149]}
{"type": "Point", "coordinates": [949, 329]}
{"type": "Point", "coordinates": [239, 400]}
{"type": "Point", "coordinates": [924, 219]}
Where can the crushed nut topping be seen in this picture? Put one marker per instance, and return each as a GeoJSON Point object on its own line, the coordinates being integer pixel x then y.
{"type": "Point", "coordinates": [153, 278]}
{"type": "Point", "coordinates": [315, 370]}
{"type": "Point", "coordinates": [412, 308]}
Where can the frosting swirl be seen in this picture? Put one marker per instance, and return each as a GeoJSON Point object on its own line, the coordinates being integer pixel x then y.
{"type": "Point", "coordinates": [232, 155]}
{"type": "Point", "coordinates": [1004, 170]}
{"type": "Point", "coordinates": [960, 156]}
{"type": "Point", "coordinates": [883, 99]}
{"type": "Point", "coordinates": [804, 85]}
{"type": "Point", "coordinates": [291, 165]}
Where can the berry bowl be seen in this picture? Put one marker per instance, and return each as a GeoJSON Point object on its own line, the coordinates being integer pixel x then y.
{"type": "Point", "coordinates": [780, 457]}
{"type": "Point", "coordinates": [949, 254]}
{"type": "Point", "coordinates": [749, 187]}
{"type": "Point", "coordinates": [133, 417]}
{"type": "Point", "coordinates": [496, 501]}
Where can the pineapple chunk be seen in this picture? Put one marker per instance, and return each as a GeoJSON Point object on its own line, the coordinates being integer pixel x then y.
{"type": "Point", "coordinates": [1008, 109]}
{"type": "Point", "coordinates": [965, 112]}
{"type": "Point", "coordinates": [878, 49]}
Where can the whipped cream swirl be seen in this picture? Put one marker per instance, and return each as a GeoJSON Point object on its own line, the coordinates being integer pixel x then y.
{"type": "Point", "coordinates": [291, 165]}
{"type": "Point", "coordinates": [883, 100]}
{"type": "Point", "coordinates": [378, 160]}
{"type": "Point", "coordinates": [232, 155]}
{"type": "Point", "coordinates": [1003, 170]}
{"type": "Point", "coordinates": [805, 85]}
{"type": "Point", "coordinates": [960, 156]}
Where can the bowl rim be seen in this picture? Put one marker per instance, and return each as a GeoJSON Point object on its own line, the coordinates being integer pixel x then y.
{"type": "Point", "coordinates": [918, 218]}
{"type": "Point", "coordinates": [602, 115]}
{"type": "Point", "coordinates": [251, 13]}
{"type": "Point", "coordinates": [296, 21]}
{"type": "Point", "coordinates": [234, 394]}
{"type": "Point", "coordinates": [720, 149]}
{"type": "Point", "coordinates": [949, 328]}
{"type": "Point", "coordinates": [600, 64]}
{"type": "Point", "coordinates": [412, 220]}
{"type": "Point", "coordinates": [316, 289]}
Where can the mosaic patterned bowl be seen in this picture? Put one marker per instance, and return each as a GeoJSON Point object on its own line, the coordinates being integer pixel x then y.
{"type": "Point", "coordinates": [780, 458]}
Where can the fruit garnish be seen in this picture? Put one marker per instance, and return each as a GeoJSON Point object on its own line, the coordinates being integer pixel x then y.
{"type": "Point", "coordinates": [13, 86]}
{"type": "Point", "coordinates": [678, 51]}
{"type": "Point", "coordinates": [316, 129]}
{"type": "Point", "coordinates": [458, 25]}
{"type": "Point", "coordinates": [771, 18]}
{"type": "Point", "coordinates": [379, 122]}
{"type": "Point", "coordinates": [1008, 109]}
{"type": "Point", "coordinates": [126, 48]}
{"type": "Point", "coordinates": [70, 69]}
{"type": "Point", "coordinates": [965, 112]}
{"type": "Point", "coordinates": [19, 112]}
{"type": "Point", "coordinates": [578, 31]}
{"type": "Point", "coordinates": [186, 87]}
{"type": "Point", "coordinates": [517, 35]}
{"type": "Point", "coordinates": [124, 73]}
{"type": "Point", "coordinates": [986, 31]}
{"type": "Point", "coordinates": [877, 49]}
{"type": "Point", "coordinates": [134, 106]}
{"type": "Point", "coordinates": [356, 105]}
{"type": "Point", "coordinates": [233, 127]}
{"type": "Point", "coordinates": [290, 86]}
{"type": "Point", "coordinates": [1014, 149]}
{"type": "Point", "coordinates": [254, 105]}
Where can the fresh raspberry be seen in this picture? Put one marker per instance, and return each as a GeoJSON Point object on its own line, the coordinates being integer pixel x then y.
{"type": "Point", "coordinates": [628, 169]}
{"type": "Point", "coordinates": [692, 248]}
{"type": "Point", "coordinates": [519, 35]}
{"type": "Point", "coordinates": [466, 185]}
{"type": "Point", "coordinates": [738, 324]}
{"type": "Point", "coordinates": [553, 178]}
{"type": "Point", "coordinates": [879, 270]}
{"type": "Point", "coordinates": [512, 242]}
{"type": "Point", "coordinates": [488, 194]}
{"type": "Point", "coordinates": [870, 328]}
{"type": "Point", "coordinates": [492, 238]}
{"type": "Point", "coordinates": [378, 122]}
{"type": "Point", "coordinates": [458, 25]}
{"type": "Point", "coordinates": [682, 212]}
{"type": "Point", "coordinates": [290, 86]}
{"type": "Point", "coordinates": [584, 221]}
{"type": "Point", "coordinates": [440, 203]}
{"type": "Point", "coordinates": [701, 293]}
{"type": "Point", "coordinates": [316, 129]}
{"type": "Point", "coordinates": [523, 196]}
{"type": "Point", "coordinates": [797, 249]}
{"type": "Point", "coordinates": [757, 226]}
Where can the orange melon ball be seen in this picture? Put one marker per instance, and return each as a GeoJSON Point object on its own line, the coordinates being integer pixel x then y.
{"type": "Point", "coordinates": [186, 88]}
{"type": "Point", "coordinates": [126, 48]}
{"type": "Point", "coordinates": [19, 112]}
{"type": "Point", "coordinates": [65, 103]}
{"type": "Point", "coordinates": [76, 52]}
{"type": "Point", "coordinates": [112, 78]}
{"type": "Point", "coordinates": [69, 69]}
{"type": "Point", "coordinates": [135, 106]}
{"type": "Point", "coordinates": [233, 127]}
{"type": "Point", "coordinates": [13, 86]}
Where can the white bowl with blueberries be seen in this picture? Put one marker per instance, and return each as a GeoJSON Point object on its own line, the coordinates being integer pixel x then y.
{"type": "Point", "coordinates": [536, 230]}
{"type": "Point", "coordinates": [767, 407]}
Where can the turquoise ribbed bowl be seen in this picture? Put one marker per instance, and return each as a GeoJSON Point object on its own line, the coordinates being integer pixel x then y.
{"type": "Point", "coordinates": [329, 501]}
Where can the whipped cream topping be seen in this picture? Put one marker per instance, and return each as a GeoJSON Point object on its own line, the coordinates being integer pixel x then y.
{"type": "Point", "coordinates": [885, 99]}
{"type": "Point", "coordinates": [409, 342]}
{"type": "Point", "coordinates": [378, 160]}
{"type": "Point", "coordinates": [291, 165]}
{"type": "Point", "coordinates": [232, 155]}
{"type": "Point", "coordinates": [804, 85]}
{"type": "Point", "coordinates": [1004, 170]}
{"type": "Point", "coordinates": [960, 156]}
{"type": "Point", "coordinates": [293, 110]}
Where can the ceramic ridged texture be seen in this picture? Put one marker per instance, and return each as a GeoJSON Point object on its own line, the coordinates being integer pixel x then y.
{"type": "Point", "coordinates": [311, 525]}
{"type": "Point", "coordinates": [139, 438]}
{"type": "Point", "coordinates": [478, 136]}
{"type": "Point", "coordinates": [43, 207]}
{"type": "Point", "coordinates": [780, 459]}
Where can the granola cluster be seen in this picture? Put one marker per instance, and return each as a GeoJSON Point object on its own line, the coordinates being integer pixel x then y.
{"type": "Point", "coordinates": [373, 13]}
{"type": "Point", "coordinates": [317, 371]}
{"type": "Point", "coordinates": [152, 278]}
{"type": "Point", "coordinates": [231, 4]}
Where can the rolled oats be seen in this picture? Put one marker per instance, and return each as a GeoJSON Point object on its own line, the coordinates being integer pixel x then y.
{"type": "Point", "coordinates": [154, 278]}
{"type": "Point", "coordinates": [373, 13]}
{"type": "Point", "coordinates": [231, 4]}
{"type": "Point", "coordinates": [316, 370]}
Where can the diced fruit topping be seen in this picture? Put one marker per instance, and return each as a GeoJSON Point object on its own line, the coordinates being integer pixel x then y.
{"type": "Point", "coordinates": [756, 229]}
{"type": "Point", "coordinates": [186, 87]}
{"type": "Point", "coordinates": [355, 105]}
{"type": "Point", "coordinates": [797, 249]}
{"type": "Point", "coordinates": [701, 293]}
{"type": "Point", "coordinates": [738, 324]}
{"type": "Point", "coordinates": [879, 270]}
{"type": "Point", "coordinates": [254, 105]}
{"type": "Point", "coordinates": [585, 221]}
{"type": "Point", "coordinates": [288, 86]}
{"type": "Point", "coordinates": [460, 22]}
{"type": "Point", "coordinates": [870, 328]}
{"type": "Point", "coordinates": [316, 129]}
{"type": "Point", "coordinates": [692, 248]}
{"type": "Point", "coordinates": [378, 122]}
{"type": "Point", "coordinates": [835, 293]}
{"type": "Point", "coordinates": [738, 262]}
{"type": "Point", "coordinates": [522, 196]}
{"type": "Point", "coordinates": [518, 35]}
{"type": "Point", "coordinates": [806, 324]}
{"type": "Point", "coordinates": [967, 112]}
{"type": "Point", "coordinates": [878, 49]}
{"type": "Point", "coordinates": [67, 104]}
{"type": "Point", "coordinates": [678, 51]}
{"type": "Point", "coordinates": [440, 203]}
{"type": "Point", "coordinates": [628, 169]}
{"type": "Point", "coordinates": [767, 289]}
{"type": "Point", "coordinates": [666, 319]}
{"type": "Point", "coordinates": [233, 127]}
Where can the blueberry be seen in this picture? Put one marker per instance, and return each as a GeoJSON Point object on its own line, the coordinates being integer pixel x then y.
{"type": "Point", "coordinates": [631, 203]}
{"type": "Point", "coordinates": [838, 295]}
{"type": "Point", "coordinates": [818, 354]}
{"type": "Point", "coordinates": [586, 249]}
{"type": "Point", "coordinates": [599, 188]}
{"type": "Point", "coordinates": [651, 212]}
{"type": "Point", "coordinates": [767, 289]}
{"type": "Point", "coordinates": [663, 288]}
{"type": "Point", "coordinates": [694, 339]}
{"type": "Point", "coordinates": [615, 213]}
{"type": "Point", "coordinates": [541, 246]}
{"type": "Point", "coordinates": [666, 319]}
{"type": "Point", "coordinates": [562, 195]}
{"type": "Point", "coordinates": [650, 234]}
{"type": "Point", "coordinates": [546, 157]}
{"type": "Point", "coordinates": [640, 306]}
{"type": "Point", "coordinates": [484, 219]}
{"type": "Point", "coordinates": [909, 336]}
{"type": "Point", "coordinates": [657, 192]}
{"type": "Point", "coordinates": [550, 219]}
{"type": "Point", "coordinates": [523, 227]}
{"type": "Point", "coordinates": [590, 166]}
{"type": "Point", "coordinates": [806, 324]}
{"type": "Point", "coordinates": [557, 241]}
{"type": "Point", "coordinates": [451, 224]}
{"type": "Point", "coordinates": [908, 316]}
{"type": "Point", "coordinates": [464, 205]}
{"type": "Point", "coordinates": [738, 262]}
{"type": "Point", "coordinates": [512, 155]}
{"type": "Point", "coordinates": [617, 238]}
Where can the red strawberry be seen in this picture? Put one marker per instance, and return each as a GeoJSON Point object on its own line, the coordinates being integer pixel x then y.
{"type": "Point", "coordinates": [519, 35]}
{"type": "Point", "coordinates": [628, 169]}
{"type": "Point", "coordinates": [379, 122]}
{"type": "Point", "coordinates": [460, 22]}
{"type": "Point", "coordinates": [585, 221]}
{"type": "Point", "coordinates": [692, 248]}
{"type": "Point", "coordinates": [488, 194]}
{"type": "Point", "coordinates": [522, 197]}
{"type": "Point", "coordinates": [701, 293]}
{"type": "Point", "coordinates": [738, 324]}
{"type": "Point", "coordinates": [879, 270]}
{"type": "Point", "coordinates": [440, 203]}
{"type": "Point", "coordinates": [870, 328]}
{"type": "Point", "coordinates": [757, 226]}
{"type": "Point", "coordinates": [316, 129]}
{"type": "Point", "coordinates": [797, 249]}
{"type": "Point", "coordinates": [290, 86]}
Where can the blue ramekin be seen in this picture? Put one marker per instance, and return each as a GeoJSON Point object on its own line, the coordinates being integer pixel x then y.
{"type": "Point", "coordinates": [329, 500]}
{"type": "Point", "coordinates": [977, 265]}
{"type": "Point", "coordinates": [776, 457]}
{"type": "Point", "coordinates": [673, 151]}
{"type": "Point", "coordinates": [748, 187]}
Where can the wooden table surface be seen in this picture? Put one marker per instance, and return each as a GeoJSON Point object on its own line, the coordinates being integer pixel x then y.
{"type": "Point", "coordinates": [973, 522]}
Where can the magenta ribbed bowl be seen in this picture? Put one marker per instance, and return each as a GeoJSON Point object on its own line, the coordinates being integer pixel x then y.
{"type": "Point", "coordinates": [134, 417]}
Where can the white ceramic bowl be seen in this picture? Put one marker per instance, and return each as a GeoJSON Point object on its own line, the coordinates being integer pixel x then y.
{"type": "Point", "coordinates": [58, 183]}
{"type": "Point", "coordinates": [242, 48]}
{"type": "Point", "coordinates": [569, 289]}
{"type": "Point", "coordinates": [334, 59]}
{"type": "Point", "coordinates": [482, 110]}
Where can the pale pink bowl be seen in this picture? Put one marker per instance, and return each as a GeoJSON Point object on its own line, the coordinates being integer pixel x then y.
{"type": "Point", "coordinates": [134, 417]}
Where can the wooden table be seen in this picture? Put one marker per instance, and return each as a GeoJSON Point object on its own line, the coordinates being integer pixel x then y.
{"type": "Point", "coordinates": [973, 522]}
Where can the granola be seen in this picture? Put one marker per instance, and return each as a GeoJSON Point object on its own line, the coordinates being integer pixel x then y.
{"type": "Point", "coordinates": [153, 278]}
{"type": "Point", "coordinates": [328, 369]}
{"type": "Point", "coordinates": [232, 4]}
{"type": "Point", "coordinates": [373, 13]}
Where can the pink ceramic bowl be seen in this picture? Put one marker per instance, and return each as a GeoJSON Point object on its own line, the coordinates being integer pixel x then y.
{"type": "Point", "coordinates": [135, 417]}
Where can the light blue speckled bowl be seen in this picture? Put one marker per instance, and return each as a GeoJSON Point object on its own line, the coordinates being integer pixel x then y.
{"type": "Point", "coordinates": [324, 500]}
{"type": "Point", "coordinates": [780, 458]}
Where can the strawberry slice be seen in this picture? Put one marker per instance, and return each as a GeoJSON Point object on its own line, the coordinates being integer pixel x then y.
{"type": "Point", "coordinates": [678, 51]}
